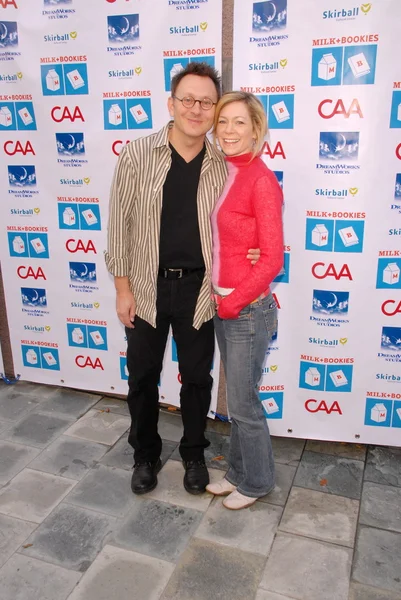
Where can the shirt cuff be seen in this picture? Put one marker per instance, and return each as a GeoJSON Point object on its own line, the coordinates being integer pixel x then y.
{"type": "Point", "coordinates": [117, 266]}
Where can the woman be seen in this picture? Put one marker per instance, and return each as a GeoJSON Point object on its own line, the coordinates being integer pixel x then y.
{"type": "Point", "coordinates": [247, 215]}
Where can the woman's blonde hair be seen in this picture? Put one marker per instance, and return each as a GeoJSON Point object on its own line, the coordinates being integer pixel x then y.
{"type": "Point", "coordinates": [256, 112]}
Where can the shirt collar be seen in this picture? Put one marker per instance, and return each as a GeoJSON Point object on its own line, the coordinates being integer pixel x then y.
{"type": "Point", "coordinates": [161, 140]}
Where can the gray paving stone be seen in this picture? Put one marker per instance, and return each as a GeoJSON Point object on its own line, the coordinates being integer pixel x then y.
{"type": "Point", "coordinates": [208, 571]}
{"type": "Point", "coordinates": [32, 495]}
{"type": "Point", "coordinates": [69, 457]}
{"type": "Point", "coordinates": [105, 489]}
{"type": "Point", "coordinates": [69, 403]}
{"type": "Point", "coordinates": [384, 465]}
{"type": "Point", "coordinates": [170, 426]}
{"type": "Point", "coordinates": [13, 532]}
{"type": "Point", "coordinates": [264, 595]}
{"type": "Point", "coordinates": [355, 451]}
{"type": "Point", "coordinates": [331, 474]}
{"type": "Point", "coordinates": [284, 477]}
{"type": "Point", "coordinates": [39, 391]}
{"type": "Point", "coordinates": [321, 516]}
{"type": "Point", "coordinates": [307, 569]}
{"type": "Point", "coordinates": [364, 592]}
{"type": "Point", "coordinates": [171, 489]}
{"type": "Point", "coordinates": [24, 578]}
{"type": "Point", "coordinates": [380, 506]}
{"type": "Point", "coordinates": [114, 405]}
{"type": "Point", "coordinates": [118, 573]}
{"type": "Point", "coordinates": [251, 530]}
{"type": "Point", "coordinates": [216, 454]}
{"type": "Point", "coordinates": [100, 427]}
{"type": "Point", "coordinates": [13, 458]}
{"type": "Point", "coordinates": [15, 405]}
{"type": "Point", "coordinates": [71, 536]}
{"type": "Point", "coordinates": [157, 529]}
{"type": "Point", "coordinates": [37, 429]}
{"type": "Point", "coordinates": [377, 559]}
{"type": "Point", "coordinates": [122, 454]}
{"type": "Point", "coordinates": [287, 450]}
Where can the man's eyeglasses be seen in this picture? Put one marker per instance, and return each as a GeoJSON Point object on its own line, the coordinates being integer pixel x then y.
{"type": "Point", "coordinates": [189, 102]}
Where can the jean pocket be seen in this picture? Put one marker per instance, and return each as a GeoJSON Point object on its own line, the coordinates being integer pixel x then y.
{"type": "Point", "coordinates": [270, 316]}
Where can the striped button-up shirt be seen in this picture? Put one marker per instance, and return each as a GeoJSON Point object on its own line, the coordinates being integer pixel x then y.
{"type": "Point", "coordinates": [135, 214]}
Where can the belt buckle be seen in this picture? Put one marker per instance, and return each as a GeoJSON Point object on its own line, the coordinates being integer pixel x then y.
{"type": "Point", "coordinates": [179, 271]}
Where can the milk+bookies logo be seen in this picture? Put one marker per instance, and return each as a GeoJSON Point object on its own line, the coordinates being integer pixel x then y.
{"type": "Point", "coordinates": [17, 116]}
{"type": "Point", "coordinates": [344, 65]}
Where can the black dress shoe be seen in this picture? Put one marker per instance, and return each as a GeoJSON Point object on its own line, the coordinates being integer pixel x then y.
{"type": "Point", "coordinates": [144, 477]}
{"type": "Point", "coordinates": [196, 476]}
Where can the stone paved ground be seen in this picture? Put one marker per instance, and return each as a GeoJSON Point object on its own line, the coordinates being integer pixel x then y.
{"type": "Point", "coordinates": [71, 528]}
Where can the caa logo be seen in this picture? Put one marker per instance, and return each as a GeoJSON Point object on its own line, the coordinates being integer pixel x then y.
{"type": "Point", "coordinates": [314, 406]}
{"type": "Point", "coordinates": [321, 271]}
{"type": "Point", "coordinates": [388, 273]}
{"type": "Point", "coordinates": [327, 111]}
{"type": "Point", "coordinates": [349, 65]}
{"type": "Point", "coordinates": [7, 3]}
{"type": "Point", "coordinates": [59, 114]}
{"type": "Point", "coordinates": [391, 307]}
{"type": "Point", "coordinates": [278, 150]}
{"type": "Point", "coordinates": [118, 145]}
{"type": "Point", "coordinates": [86, 361]}
{"type": "Point", "coordinates": [73, 246]}
{"type": "Point", "coordinates": [267, 16]}
{"type": "Point", "coordinates": [11, 148]}
{"type": "Point", "coordinates": [17, 116]}
{"type": "Point", "coordinates": [339, 146]}
{"type": "Point", "coordinates": [24, 272]}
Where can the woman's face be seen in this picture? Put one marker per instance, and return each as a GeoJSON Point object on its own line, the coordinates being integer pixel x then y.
{"type": "Point", "coordinates": [234, 129]}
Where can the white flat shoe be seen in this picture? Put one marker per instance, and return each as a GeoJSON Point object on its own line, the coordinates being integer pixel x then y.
{"type": "Point", "coordinates": [236, 501]}
{"type": "Point", "coordinates": [221, 488]}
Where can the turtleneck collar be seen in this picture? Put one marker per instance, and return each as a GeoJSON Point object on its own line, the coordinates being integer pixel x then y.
{"type": "Point", "coordinates": [239, 160]}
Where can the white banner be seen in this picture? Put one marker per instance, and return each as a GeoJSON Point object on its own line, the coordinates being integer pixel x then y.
{"type": "Point", "coordinates": [328, 75]}
{"type": "Point", "coordinates": [78, 80]}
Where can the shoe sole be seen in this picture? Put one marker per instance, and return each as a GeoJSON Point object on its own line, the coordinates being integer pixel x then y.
{"type": "Point", "coordinates": [239, 507]}
{"type": "Point", "coordinates": [141, 492]}
{"type": "Point", "coordinates": [194, 492]}
{"type": "Point", "coordinates": [220, 494]}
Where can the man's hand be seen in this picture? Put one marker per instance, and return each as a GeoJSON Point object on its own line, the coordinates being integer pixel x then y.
{"type": "Point", "coordinates": [253, 255]}
{"type": "Point", "coordinates": [125, 305]}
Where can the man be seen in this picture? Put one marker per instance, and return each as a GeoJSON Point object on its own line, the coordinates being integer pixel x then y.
{"type": "Point", "coordinates": [160, 251]}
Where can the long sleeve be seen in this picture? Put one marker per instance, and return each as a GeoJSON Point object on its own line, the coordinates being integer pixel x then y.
{"type": "Point", "coordinates": [122, 197]}
{"type": "Point", "coordinates": [267, 204]}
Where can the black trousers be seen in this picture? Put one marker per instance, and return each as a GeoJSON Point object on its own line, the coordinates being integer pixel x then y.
{"type": "Point", "coordinates": [176, 301]}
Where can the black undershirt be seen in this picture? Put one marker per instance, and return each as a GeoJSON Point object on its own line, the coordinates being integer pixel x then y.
{"type": "Point", "coordinates": [180, 243]}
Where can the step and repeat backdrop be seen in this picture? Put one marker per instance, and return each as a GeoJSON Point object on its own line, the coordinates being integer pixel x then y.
{"type": "Point", "coordinates": [78, 79]}
{"type": "Point", "coordinates": [329, 78]}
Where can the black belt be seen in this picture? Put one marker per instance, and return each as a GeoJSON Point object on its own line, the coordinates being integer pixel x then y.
{"type": "Point", "coordinates": [177, 273]}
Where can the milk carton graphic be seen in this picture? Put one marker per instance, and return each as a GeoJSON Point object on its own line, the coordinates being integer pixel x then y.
{"type": "Point", "coordinates": [281, 112]}
{"type": "Point", "coordinates": [139, 113]}
{"type": "Point", "coordinates": [49, 358]}
{"type": "Point", "coordinates": [115, 115]}
{"type": "Point", "coordinates": [338, 378]}
{"type": "Point", "coordinates": [348, 236]}
{"type": "Point", "coordinates": [77, 335]}
{"type": "Point", "coordinates": [18, 245]}
{"type": "Point", "coordinates": [270, 406]}
{"type": "Point", "coordinates": [69, 216]}
{"type": "Point", "coordinates": [378, 413]}
{"type": "Point", "coordinates": [327, 67]}
{"type": "Point", "coordinates": [25, 115]}
{"type": "Point", "coordinates": [359, 65]}
{"type": "Point", "coordinates": [391, 274]}
{"type": "Point", "coordinates": [399, 112]}
{"type": "Point", "coordinates": [6, 118]}
{"type": "Point", "coordinates": [312, 377]}
{"type": "Point", "coordinates": [176, 68]}
{"type": "Point", "coordinates": [31, 357]}
{"type": "Point", "coordinates": [52, 80]}
{"type": "Point", "coordinates": [38, 245]}
{"type": "Point", "coordinates": [320, 235]}
{"type": "Point", "coordinates": [75, 79]}
{"type": "Point", "coordinates": [89, 217]}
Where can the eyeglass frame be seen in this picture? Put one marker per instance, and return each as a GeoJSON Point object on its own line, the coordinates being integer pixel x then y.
{"type": "Point", "coordinates": [195, 101]}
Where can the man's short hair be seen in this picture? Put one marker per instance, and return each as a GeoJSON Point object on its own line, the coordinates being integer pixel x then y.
{"type": "Point", "coordinates": [201, 69]}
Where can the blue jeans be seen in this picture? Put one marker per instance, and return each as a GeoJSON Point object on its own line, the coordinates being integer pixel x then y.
{"type": "Point", "coordinates": [243, 343]}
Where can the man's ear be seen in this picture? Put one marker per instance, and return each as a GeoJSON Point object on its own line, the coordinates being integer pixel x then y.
{"type": "Point", "coordinates": [170, 106]}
